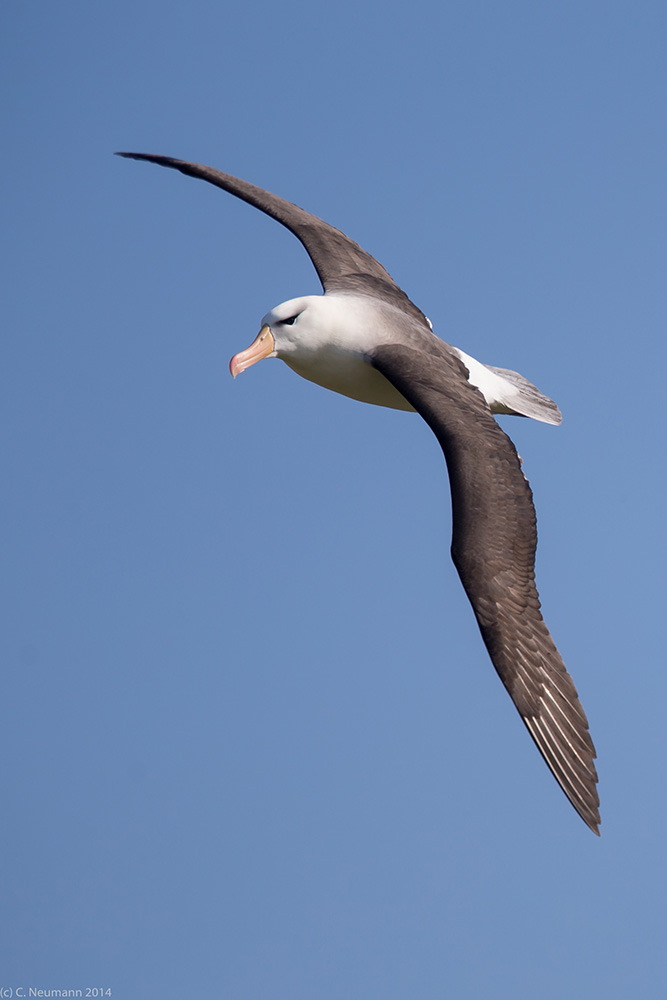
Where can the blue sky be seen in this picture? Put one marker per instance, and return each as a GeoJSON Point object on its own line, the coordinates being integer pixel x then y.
{"type": "Point", "coordinates": [252, 743]}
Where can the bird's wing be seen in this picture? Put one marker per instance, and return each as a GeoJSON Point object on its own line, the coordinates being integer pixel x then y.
{"type": "Point", "coordinates": [493, 548]}
{"type": "Point", "coordinates": [341, 265]}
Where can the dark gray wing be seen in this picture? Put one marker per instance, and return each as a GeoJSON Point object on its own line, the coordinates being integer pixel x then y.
{"type": "Point", "coordinates": [341, 265]}
{"type": "Point", "coordinates": [493, 548]}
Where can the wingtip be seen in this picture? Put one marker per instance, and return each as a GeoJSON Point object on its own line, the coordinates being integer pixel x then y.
{"type": "Point", "coordinates": [594, 825]}
{"type": "Point", "coordinates": [593, 821]}
{"type": "Point", "coordinates": [163, 161]}
{"type": "Point", "coordinates": [135, 156]}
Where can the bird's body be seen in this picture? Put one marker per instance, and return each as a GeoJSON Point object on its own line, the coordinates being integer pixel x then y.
{"type": "Point", "coordinates": [364, 338]}
{"type": "Point", "coordinates": [333, 336]}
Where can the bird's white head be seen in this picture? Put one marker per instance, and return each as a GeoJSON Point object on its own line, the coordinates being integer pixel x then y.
{"type": "Point", "coordinates": [326, 339]}
{"type": "Point", "coordinates": [299, 330]}
{"type": "Point", "coordinates": [285, 330]}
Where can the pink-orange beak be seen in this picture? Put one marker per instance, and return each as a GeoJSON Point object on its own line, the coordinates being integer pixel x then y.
{"type": "Point", "coordinates": [263, 346]}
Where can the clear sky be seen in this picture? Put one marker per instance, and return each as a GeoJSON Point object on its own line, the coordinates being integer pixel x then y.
{"type": "Point", "coordinates": [253, 746]}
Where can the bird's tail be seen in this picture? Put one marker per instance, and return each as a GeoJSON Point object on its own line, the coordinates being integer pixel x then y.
{"type": "Point", "coordinates": [524, 399]}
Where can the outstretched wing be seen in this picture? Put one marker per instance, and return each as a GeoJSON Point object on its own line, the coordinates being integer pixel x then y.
{"type": "Point", "coordinates": [493, 548]}
{"type": "Point", "coordinates": [341, 264]}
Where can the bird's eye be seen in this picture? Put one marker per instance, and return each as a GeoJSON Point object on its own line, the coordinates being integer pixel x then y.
{"type": "Point", "coordinates": [289, 321]}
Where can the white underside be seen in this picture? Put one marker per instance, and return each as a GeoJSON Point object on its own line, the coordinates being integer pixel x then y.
{"type": "Point", "coordinates": [350, 375]}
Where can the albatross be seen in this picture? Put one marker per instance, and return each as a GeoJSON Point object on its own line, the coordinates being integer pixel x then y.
{"type": "Point", "coordinates": [366, 339]}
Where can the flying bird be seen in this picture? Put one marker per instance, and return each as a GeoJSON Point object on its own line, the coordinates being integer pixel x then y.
{"type": "Point", "coordinates": [364, 338]}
